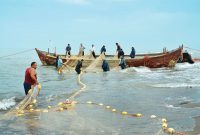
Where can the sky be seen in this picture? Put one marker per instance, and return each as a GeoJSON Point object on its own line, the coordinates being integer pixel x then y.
{"type": "Point", "coordinates": [148, 25]}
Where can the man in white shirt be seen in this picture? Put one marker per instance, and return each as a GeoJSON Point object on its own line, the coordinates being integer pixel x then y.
{"type": "Point", "coordinates": [93, 51]}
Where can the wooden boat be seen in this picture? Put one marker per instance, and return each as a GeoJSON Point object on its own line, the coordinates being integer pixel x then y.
{"type": "Point", "coordinates": [153, 60]}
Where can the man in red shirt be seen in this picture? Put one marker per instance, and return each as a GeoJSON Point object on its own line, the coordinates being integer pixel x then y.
{"type": "Point", "coordinates": [30, 78]}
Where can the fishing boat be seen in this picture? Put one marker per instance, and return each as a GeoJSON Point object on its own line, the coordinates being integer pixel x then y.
{"type": "Point", "coordinates": [152, 60]}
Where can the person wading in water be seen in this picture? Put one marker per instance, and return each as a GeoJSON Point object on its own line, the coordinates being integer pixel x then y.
{"type": "Point", "coordinates": [30, 78]}
{"type": "Point", "coordinates": [79, 66]}
{"type": "Point", "coordinates": [105, 66]}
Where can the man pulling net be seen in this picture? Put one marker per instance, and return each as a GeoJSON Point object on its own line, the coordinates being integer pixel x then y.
{"type": "Point", "coordinates": [29, 84]}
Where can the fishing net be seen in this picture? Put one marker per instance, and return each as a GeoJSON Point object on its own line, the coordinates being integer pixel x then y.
{"type": "Point", "coordinates": [83, 86]}
{"type": "Point", "coordinates": [94, 66]}
{"type": "Point", "coordinates": [29, 99]}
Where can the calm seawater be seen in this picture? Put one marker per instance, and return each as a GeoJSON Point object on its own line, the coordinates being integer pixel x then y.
{"type": "Point", "coordinates": [157, 92]}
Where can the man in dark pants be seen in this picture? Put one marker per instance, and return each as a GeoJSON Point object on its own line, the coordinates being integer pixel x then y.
{"type": "Point", "coordinates": [93, 51]}
{"type": "Point", "coordinates": [105, 66]}
{"type": "Point", "coordinates": [79, 66]}
{"type": "Point", "coordinates": [132, 55]}
{"type": "Point", "coordinates": [103, 49]}
{"type": "Point", "coordinates": [68, 50]}
{"type": "Point", "coordinates": [122, 63]}
{"type": "Point", "coordinates": [30, 78]}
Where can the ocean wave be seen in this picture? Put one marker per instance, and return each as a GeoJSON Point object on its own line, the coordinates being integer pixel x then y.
{"type": "Point", "coordinates": [176, 85]}
{"type": "Point", "coordinates": [172, 106]}
{"type": "Point", "coordinates": [7, 103]}
{"type": "Point", "coordinates": [183, 66]}
{"type": "Point", "coordinates": [138, 70]}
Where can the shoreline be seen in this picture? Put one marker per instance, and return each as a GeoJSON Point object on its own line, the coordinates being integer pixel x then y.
{"type": "Point", "coordinates": [196, 129]}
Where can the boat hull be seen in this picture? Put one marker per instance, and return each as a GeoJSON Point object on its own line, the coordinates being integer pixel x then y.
{"type": "Point", "coordinates": [156, 60]}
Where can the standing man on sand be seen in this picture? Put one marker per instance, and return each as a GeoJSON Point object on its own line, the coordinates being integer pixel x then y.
{"type": "Point", "coordinates": [30, 78]}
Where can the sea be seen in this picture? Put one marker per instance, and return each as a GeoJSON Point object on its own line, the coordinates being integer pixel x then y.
{"type": "Point", "coordinates": [161, 92]}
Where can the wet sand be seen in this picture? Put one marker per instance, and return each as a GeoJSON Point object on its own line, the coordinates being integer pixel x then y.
{"type": "Point", "coordinates": [191, 105]}
{"type": "Point", "coordinates": [196, 130]}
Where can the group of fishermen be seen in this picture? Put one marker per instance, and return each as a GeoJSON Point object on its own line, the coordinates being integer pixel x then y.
{"type": "Point", "coordinates": [105, 65]}
{"type": "Point", "coordinates": [31, 75]}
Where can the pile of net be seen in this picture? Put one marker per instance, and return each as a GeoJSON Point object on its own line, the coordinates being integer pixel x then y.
{"type": "Point", "coordinates": [93, 66]}
{"type": "Point", "coordinates": [28, 101]}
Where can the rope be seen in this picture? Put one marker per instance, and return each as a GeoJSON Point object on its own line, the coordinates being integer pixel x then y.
{"type": "Point", "coordinates": [29, 99]}
{"type": "Point", "coordinates": [192, 49]}
{"type": "Point", "coordinates": [83, 86]}
{"type": "Point", "coordinates": [25, 51]}
{"type": "Point", "coordinates": [158, 133]}
{"type": "Point", "coordinates": [95, 63]}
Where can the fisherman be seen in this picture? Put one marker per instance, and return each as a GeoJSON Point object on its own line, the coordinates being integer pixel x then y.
{"type": "Point", "coordinates": [30, 78]}
{"type": "Point", "coordinates": [105, 65]}
{"type": "Point", "coordinates": [120, 53]}
{"type": "Point", "coordinates": [79, 66]}
{"type": "Point", "coordinates": [132, 54]}
{"type": "Point", "coordinates": [103, 49]}
{"type": "Point", "coordinates": [122, 63]}
{"type": "Point", "coordinates": [81, 50]}
{"type": "Point", "coordinates": [68, 50]}
{"type": "Point", "coordinates": [93, 51]}
{"type": "Point", "coordinates": [118, 50]}
{"type": "Point", "coordinates": [59, 64]}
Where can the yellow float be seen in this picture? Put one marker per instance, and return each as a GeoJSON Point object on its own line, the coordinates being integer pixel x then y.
{"type": "Point", "coordinates": [124, 113]}
{"type": "Point", "coordinates": [108, 107]}
{"type": "Point", "coordinates": [164, 120]}
{"type": "Point", "coordinates": [113, 110]}
{"type": "Point", "coordinates": [170, 130]}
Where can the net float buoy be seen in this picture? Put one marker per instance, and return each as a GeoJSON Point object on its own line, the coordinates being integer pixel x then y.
{"type": "Point", "coordinates": [153, 116]}
{"type": "Point", "coordinates": [171, 130]}
{"type": "Point", "coordinates": [34, 101]}
{"type": "Point", "coordinates": [164, 120]}
{"type": "Point", "coordinates": [89, 102]}
{"type": "Point", "coordinates": [101, 104]}
{"type": "Point", "coordinates": [39, 86]}
{"type": "Point", "coordinates": [31, 110]}
{"type": "Point", "coordinates": [113, 110]}
{"type": "Point", "coordinates": [108, 107]}
{"type": "Point", "coordinates": [164, 126]}
{"type": "Point", "coordinates": [61, 109]}
{"type": "Point", "coordinates": [21, 112]}
{"type": "Point", "coordinates": [124, 113]}
{"type": "Point", "coordinates": [138, 115]}
{"type": "Point", "coordinates": [60, 103]}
